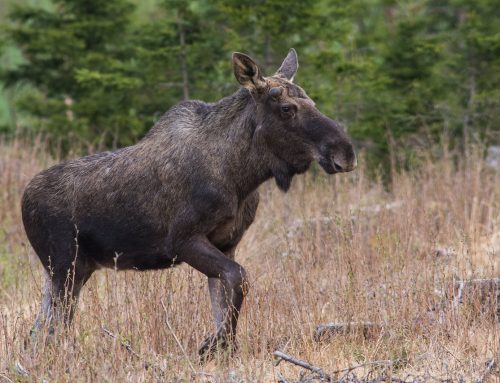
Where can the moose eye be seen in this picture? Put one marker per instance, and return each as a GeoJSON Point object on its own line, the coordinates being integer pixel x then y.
{"type": "Point", "coordinates": [285, 108]}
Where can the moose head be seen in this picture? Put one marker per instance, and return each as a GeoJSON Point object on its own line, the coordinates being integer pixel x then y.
{"type": "Point", "coordinates": [289, 125]}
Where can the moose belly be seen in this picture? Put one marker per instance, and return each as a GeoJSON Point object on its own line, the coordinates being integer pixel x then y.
{"type": "Point", "coordinates": [130, 245]}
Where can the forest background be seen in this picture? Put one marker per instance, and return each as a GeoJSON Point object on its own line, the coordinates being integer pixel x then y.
{"type": "Point", "coordinates": [401, 75]}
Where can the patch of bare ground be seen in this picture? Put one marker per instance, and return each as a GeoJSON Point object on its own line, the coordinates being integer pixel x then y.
{"type": "Point", "coordinates": [340, 251]}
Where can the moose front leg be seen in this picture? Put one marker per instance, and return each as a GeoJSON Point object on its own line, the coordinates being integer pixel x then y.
{"type": "Point", "coordinates": [225, 319]}
{"type": "Point", "coordinates": [228, 285]}
{"type": "Point", "coordinates": [220, 311]}
{"type": "Point", "coordinates": [219, 302]}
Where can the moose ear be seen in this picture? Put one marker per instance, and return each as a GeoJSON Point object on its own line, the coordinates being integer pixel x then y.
{"type": "Point", "coordinates": [247, 72]}
{"type": "Point", "coordinates": [289, 66]}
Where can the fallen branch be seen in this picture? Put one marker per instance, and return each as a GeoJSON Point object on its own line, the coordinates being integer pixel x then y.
{"type": "Point", "coordinates": [303, 364]}
{"type": "Point", "coordinates": [331, 329]}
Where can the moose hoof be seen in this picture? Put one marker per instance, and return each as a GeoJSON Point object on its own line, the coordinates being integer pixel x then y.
{"type": "Point", "coordinates": [213, 344]}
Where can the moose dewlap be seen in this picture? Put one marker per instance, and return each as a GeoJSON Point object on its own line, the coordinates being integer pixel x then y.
{"type": "Point", "coordinates": [185, 193]}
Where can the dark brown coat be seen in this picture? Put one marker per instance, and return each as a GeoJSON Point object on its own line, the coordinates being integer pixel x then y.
{"type": "Point", "coordinates": [185, 193]}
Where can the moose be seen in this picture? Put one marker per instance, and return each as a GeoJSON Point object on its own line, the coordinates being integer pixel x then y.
{"type": "Point", "coordinates": [186, 192]}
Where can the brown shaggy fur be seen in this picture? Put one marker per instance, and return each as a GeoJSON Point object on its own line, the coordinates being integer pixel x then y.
{"type": "Point", "coordinates": [185, 193]}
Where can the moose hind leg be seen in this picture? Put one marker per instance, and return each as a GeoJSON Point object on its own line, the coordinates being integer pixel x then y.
{"type": "Point", "coordinates": [46, 310]}
{"type": "Point", "coordinates": [60, 297]}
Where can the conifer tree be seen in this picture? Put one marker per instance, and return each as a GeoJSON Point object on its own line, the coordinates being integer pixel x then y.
{"type": "Point", "coordinates": [77, 59]}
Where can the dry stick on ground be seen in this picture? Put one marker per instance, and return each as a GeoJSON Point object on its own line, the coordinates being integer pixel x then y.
{"type": "Point", "coordinates": [332, 329]}
{"type": "Point", "coordinates": [129, 348]}
{"type": "Point", "coordinates": [320, 372]}
{"type": "Point", "coordinates": [302, 364]}
{"type": "Point", "coordinates": [177, 339]}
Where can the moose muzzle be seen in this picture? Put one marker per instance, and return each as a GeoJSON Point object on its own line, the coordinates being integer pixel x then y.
{"type": "Point", "coordinates": [336, 153]}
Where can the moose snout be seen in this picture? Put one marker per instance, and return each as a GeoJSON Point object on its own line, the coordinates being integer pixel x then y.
{"type": "Point", "coordinates": [338, 157]}
{"type": "Point", "coordinates": [345, 162]}
{"type": "Point", "coordinates": [337, 152]}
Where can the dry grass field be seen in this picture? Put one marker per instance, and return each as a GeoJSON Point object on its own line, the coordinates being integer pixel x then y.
{"type": "Point", "coordinates": [334, 249]}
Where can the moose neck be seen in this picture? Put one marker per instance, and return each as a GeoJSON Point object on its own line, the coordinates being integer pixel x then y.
{"type": "Point", "coordinates": [247, 162]}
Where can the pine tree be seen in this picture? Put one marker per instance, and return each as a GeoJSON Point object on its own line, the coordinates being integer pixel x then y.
{"type": "Point", "coordinates": [77, 59]}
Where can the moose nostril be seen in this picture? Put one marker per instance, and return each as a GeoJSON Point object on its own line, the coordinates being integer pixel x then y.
{"type": "Point", "coordinates": [338, 167]}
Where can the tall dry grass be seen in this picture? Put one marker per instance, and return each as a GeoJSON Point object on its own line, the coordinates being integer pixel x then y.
{"type": "Point", "coordinates": [334, 249]}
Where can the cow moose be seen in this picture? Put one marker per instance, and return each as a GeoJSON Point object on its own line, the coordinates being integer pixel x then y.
{"type": "Point", "coordinates": [186, 192]}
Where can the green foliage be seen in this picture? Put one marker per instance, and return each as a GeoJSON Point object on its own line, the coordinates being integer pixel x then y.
{"type": "Point", "coordinates": [83, 77]}
{"type": "Point", "coordinates": [405, 73]}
